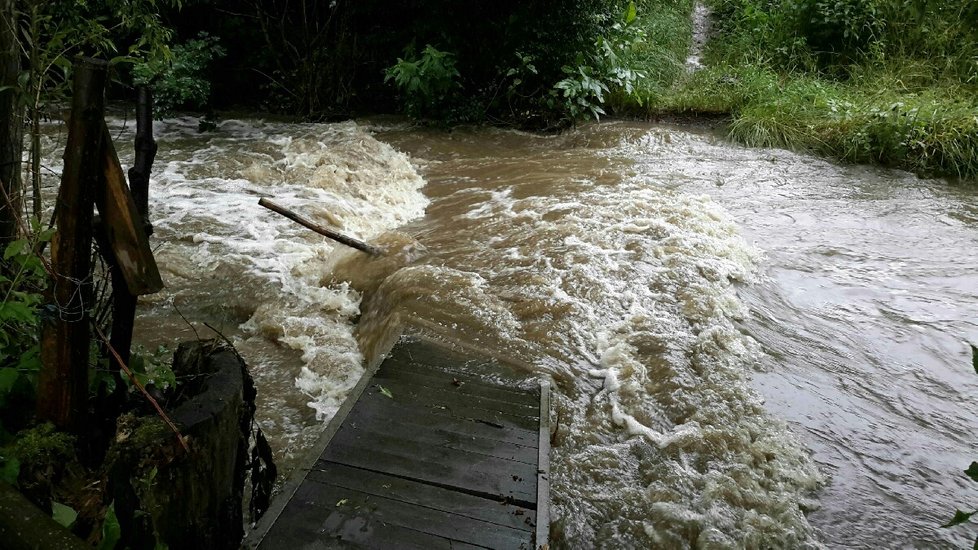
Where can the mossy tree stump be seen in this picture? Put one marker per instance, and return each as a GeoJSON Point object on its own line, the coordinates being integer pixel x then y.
{"type": "Point", "coordinates": [187, 500]}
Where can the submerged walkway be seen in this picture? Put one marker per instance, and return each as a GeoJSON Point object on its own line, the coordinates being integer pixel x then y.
{"type": "Point", "coordinates": [425, 454]}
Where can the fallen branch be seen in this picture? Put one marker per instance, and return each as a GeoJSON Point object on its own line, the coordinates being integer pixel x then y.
{"type": "Point", "coordinates": [324, 231]}
{"type": "Point", "coordinates": [132, 377]}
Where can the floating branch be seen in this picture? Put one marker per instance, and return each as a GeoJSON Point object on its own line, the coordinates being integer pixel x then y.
{"type": "Point", "coordinates": [322, 230]}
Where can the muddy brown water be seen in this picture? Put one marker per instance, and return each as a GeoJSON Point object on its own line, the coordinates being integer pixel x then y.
{"type": "Point", "coordinates": [749, 347]}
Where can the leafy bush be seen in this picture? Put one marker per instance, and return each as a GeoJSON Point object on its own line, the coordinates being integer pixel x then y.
{"type": "Point", "coordinates": [181, 80]}
{"type": "Point", "coordinates": [22, 280]}
{"type": "Point", "coordinates": [829, 35]}
{"type": "Point", "coordinates": [426, 83]}
{"type": "Point", "coordinates": [603, 69]}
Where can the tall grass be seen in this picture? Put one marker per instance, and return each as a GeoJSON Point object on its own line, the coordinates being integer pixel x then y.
{"type": "Point", "coordinates": [892, 82]}
{"type": "Point", "coordinates": [659, 54]}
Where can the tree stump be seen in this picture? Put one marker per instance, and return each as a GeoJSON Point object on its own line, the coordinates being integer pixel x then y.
{"type": "Point", "coordinates": [195, 500]}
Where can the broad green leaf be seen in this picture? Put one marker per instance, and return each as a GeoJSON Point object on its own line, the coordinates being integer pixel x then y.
{"type": "Point", "coordinates": [386, 392]}
{"type": "Point", "coordinates": [631, 14]}
{"type": "Point", "coordinates": [46, 234]}
{"type": "Point", "coordinates": [137, 363]}
{"type": "Point", "coordinates": [7, 378]}
{"type": "Point", "coordinates": [9, 471]}
{"type": "Point", "coordinates": [14, 249]}
{"type": "Point", "coordinates": [110, 530]}
{"type": "Point", "coordinates": [959, 518]}
{"type": "Point", "coordinates": [16, 311]}
{"type": "Point", "coordinates": [972, 471]}
{"type": "Point", "coordinates": [30, 361]}
{"type": "Point", "coordinates": [65, 515]}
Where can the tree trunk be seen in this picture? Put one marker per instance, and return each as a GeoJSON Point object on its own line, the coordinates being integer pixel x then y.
{"type": "Point", "coordinates": [63, 385]}
{"type": "Point", "coordinates": [11, 127]}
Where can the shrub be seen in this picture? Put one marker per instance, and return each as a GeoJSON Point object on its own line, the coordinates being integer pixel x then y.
{"type": "Point", "coordinates": [181, 81]}
{"type": "Point", "coordinates": [427, 83]}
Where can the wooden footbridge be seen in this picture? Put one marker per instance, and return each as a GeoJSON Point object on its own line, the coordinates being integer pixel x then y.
{"type": "Point", "coordinates": [435, 448]}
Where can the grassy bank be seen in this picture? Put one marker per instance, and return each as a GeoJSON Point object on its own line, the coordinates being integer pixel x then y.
{"type": "Point", "coordinates": [868, 81]}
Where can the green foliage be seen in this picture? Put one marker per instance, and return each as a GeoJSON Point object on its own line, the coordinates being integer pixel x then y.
{"type": "Point", "coordinates": [52, 34]}
{"type": "Point", "coordinates": [153, 367]}
{"type": "Point", "coordinates": [932, 131]}
{"type": "Point", "coordinates": [830, 35]}
{"type": "Point", "coordinates": [426, 83]}
{"type": "Point", "coordinates": [37, 456]}
{"type": "Point", "coordinates": [180, 80]}
{"type": "Point", "coordinates": [852, 79]}
{"type": "Point", "coordinates": [581, 92]}
{"type": "Point", "coordinates": [585, 86]}
{"type": "Point", "coordinates": [111, 530]}
{"type": "Point", "coordinates": [9, 469]}
{"type": "Point", "coordinates": [63, 514]}
{"type": "Point", "coordinates": [22, 281]}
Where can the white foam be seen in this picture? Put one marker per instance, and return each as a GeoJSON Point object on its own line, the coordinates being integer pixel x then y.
{"type": "Point", "coordinates": [333, 173]}
{"type": "Point", "coordinates": [630, 287]}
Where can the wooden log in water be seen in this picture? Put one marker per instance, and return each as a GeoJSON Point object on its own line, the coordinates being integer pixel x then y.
{"type": "Point", "coordinates": [322, 230]}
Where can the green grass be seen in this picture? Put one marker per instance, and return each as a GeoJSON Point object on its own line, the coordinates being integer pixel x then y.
{"type": "Point", "coordinates": [660, 55]}
{"type": "Point", "coordinates": [931, 130]}
{"type": "Point", "coordinates": [917, 110]}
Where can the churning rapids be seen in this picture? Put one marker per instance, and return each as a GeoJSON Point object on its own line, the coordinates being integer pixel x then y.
{"type": "Point", "coordinates": [750, 348]}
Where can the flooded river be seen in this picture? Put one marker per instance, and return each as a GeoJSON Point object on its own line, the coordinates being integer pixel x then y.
{"type": "Point", "coordinates": [750, 348]}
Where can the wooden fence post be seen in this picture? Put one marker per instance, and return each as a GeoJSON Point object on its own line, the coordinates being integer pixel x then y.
{"type": "Point", "coordinates": [63, 382]}
{"type": "Point", "coordinates": [145, 155]}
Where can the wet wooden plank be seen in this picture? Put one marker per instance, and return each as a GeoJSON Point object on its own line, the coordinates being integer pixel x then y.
{"type": "Point", "coordinates": [495, 375]}
{"type": "Point", "coordinates": [438, 437]}
{"type": "Point", "coordinates": [451, 394]}
{"type": "Point", "coordinates": [457, 405]}
{"type": "Point", "coordinates": [440, 459]}
{"type": "Point", "coordinates": [432, 355]}
{"type": "Point", "coordinates": [442, 380]}
{"type": "Point", "coordinates": [422, 417]}
{"type": "Point", "coordinates": [124, 226]}
{"type": "Point", "coordinates": [467, 472]}
{"type": "Point", "coordinates": [543, 470]}
{"type": "Point", "coordinates": [306, 527]}
{"type": "Point", "coordinates": [340, 501]}
{"type": "Point", "coordinates": [428, 496]}
{"type": "Point", "coordinates": [404, 444]}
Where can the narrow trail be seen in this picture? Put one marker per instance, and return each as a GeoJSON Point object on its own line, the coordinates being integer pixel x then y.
{"type": "Point", "coordinates": [701, 32]}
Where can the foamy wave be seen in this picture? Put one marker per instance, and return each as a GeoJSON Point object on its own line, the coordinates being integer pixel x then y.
{"type": "Point", "coordinates": [207, 199]}
{"type": "Point", "coordinates": [628, 291]}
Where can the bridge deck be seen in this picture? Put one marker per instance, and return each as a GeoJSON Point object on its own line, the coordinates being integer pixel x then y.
{"type": "Point", "coordinates": [426, 454]}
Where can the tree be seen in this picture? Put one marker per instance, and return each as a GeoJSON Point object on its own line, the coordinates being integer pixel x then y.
{"type": "Point", "coordinates": [11, 126]}
{"type": "Point", "coordinates": [51, 34]}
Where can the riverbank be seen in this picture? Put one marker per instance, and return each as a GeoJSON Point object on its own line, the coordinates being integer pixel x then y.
{"type": "Point", "coordinates": [909, 106]}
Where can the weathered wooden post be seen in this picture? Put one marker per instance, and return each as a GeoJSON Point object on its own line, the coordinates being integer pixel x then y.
{"type": "Point", "coordinates": [124, 301]}
{"type": "Point", "coordinates": [145, 155]}
{"type": "Point", "coordinates": [63, 382]}
{"type": "Point", "coordinates": [125, 247]}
